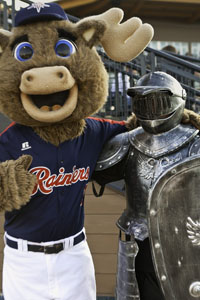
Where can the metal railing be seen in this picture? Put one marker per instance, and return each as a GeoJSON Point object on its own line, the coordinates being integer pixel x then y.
{"type": "Point", "coordinates": [124, 75]}
{"type": "Point", "coordinates": [7, 13]}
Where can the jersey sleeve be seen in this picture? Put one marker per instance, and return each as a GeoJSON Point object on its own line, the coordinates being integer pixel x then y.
{"type": "Point", "coordinates": [108, 128]}
{"type": "Point", "coordinates": [5, 146]}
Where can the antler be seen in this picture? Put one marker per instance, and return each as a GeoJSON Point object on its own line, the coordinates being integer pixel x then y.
{"type": "Point", "coordinates": [123, 42]}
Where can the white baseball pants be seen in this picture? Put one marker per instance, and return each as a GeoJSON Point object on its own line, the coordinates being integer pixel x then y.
{"type": "Point", "coordinates": [67, 275]}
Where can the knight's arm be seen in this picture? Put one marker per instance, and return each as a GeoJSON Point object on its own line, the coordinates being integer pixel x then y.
{"type": "Point", "coordinates": [112, 160]}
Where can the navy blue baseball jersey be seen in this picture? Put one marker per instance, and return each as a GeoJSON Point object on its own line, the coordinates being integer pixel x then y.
{"type": "Point", "coordinates": [56, 208]}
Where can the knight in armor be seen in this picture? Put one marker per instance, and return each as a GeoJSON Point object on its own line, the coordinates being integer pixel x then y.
{"type": "Point", "coordinates": [141, 157]}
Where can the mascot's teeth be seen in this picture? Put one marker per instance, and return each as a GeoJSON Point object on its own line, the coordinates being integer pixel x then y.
{"type": "Point", "coordinates": [56, 107]}
{"type": "Point", "coordinates": [45, 108]}
{"type": "Point", "coordinates": [48, 108]}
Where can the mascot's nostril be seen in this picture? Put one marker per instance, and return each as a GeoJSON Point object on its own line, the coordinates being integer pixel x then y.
{"type": "Point", "coordinates": [60, 74]}
{"type": "Point", "coordinates": [29, 78]}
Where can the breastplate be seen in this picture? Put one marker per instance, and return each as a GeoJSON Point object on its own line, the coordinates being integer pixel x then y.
{"type": "Point", "coordinates": [149, 157]}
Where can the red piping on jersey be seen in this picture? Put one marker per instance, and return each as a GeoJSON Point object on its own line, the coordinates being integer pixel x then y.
{"type": "Point", "coordinates": [11, 124]}
{"type": "Point", "coordinates": [108, 120]}
{"type": "Point", "coordinates": [93, 118]}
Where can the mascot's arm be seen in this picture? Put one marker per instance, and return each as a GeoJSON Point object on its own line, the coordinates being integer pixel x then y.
{"type": "Point", "coordinates": [190, 117]}
{"type": "Point", "coordinates": [16, 183]}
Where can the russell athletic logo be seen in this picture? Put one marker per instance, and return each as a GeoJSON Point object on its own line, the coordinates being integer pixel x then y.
{"type": "Point", "coordinates": [25, 146]}
{"type": "Point", "coordinates": [47, 181]}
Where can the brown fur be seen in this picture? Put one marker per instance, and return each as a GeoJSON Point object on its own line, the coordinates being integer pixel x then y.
{"type": "Point", "coordinates": [14, 174]}
{"type": "Point", "coordinates": [191, 117]}
{"type": "Point", "coordinates": [59, 133]}
{"type": "Point", "coordinates": [89, 74]}
{"type": "Point", "coordinates": [132, 122]}
{"type": "Point", "coordinates": [91, 78]}
{"type": "Point", "coordinates": [85, 66]}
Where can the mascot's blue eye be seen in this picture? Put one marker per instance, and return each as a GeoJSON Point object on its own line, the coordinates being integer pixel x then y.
{"type": "Point", "coordinates": [65, 48]}
{"type": "Point", "coordinates": [23, 51]}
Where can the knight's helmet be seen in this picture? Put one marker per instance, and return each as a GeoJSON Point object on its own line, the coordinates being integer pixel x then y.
{"type": "Point", "coordinates": [158, 101]}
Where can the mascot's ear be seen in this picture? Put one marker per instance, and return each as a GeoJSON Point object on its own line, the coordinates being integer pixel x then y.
{"type": "Point", "coordinates": [4, 39]}
{"type": "Point", "coordinates": [121, 41]}
{"type": "Point", "coordinates": [92, 31]}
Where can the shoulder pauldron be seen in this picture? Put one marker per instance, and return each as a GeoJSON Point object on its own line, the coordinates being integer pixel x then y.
{"type": "Point", "coordinates": [113, 151]}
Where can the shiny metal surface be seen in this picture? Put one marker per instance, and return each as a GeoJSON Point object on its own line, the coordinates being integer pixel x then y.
{"type": "Point", "coordinates": [153, 155]}
{"type": "Point", "coordinates": [174, 229]}
{"type": "Point", "coordinates": [113, 152]}
{"type": "Point", "coordinates": [158, 101]}
{"type": "Point", "coordinates": [162, 175]}
{"type": "Point", "coordinates": [127, 288]}
{"type": "Point", "coordinates": [156, 82]}
{"type": "Point", "coordinates": [193, 231]}
{"type": "Point", "coordinates": [195, 289]}
{"type": "Point", "coordinates": [157, 145]}
{"type": "Point", "coordinates": [163, 124]}
{"type": "Point", "coordinates": [161, 170]}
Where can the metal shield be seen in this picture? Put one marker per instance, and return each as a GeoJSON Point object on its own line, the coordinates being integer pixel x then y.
{"type": "Point", "coordinates": [174, 230]}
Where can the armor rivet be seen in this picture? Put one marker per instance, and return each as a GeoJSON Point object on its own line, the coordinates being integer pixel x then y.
{"type": "Point", "coordinates": [100, 166]}
{"type": "Point", "coordinates": [173, 171]}
{"type": "Point", "coordinates": [179, 263]}
{"type": "Point", "coordinates": [119, 156]}
{"type": "Point", "coordinates": [152, 212]}
{"type": "Point", "coordinates": [194, 289]}
{"type": "Point", "coordinates": [176, 230]}
{"type": "Point", "coordinates": [157, 245]}
{"type": "Point", "coordinates": [128, 223]}
{"type": "Point", "coordinates": [132, 153]}
{"type": "Point", "coordinates": [163, 277]}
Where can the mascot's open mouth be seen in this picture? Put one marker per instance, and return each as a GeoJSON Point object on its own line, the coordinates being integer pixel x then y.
{"type": "Point", "coordinates": [51, 108]}
{"type": "Point", "coordinates": [50, 102]}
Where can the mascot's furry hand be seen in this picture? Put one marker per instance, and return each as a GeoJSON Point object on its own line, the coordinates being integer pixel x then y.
{"type": "Point", "coordinates": [16, 183]}
{"type": "Point", "coordinates": [132, 122]}
{"type": "Point", "coordinates": [191, 117]}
